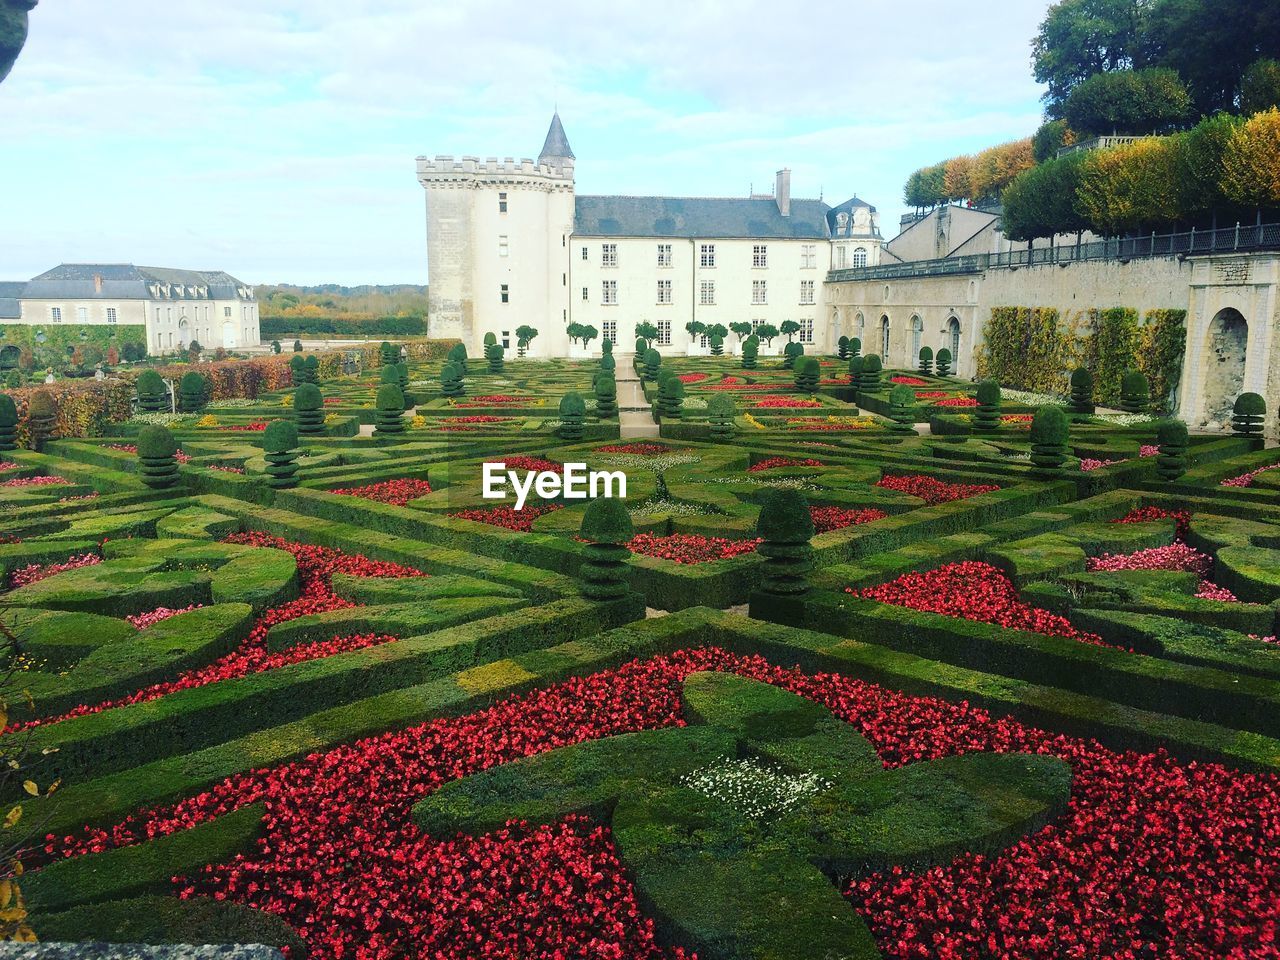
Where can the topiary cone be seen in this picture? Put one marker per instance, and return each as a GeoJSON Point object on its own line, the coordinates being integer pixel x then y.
{"type": "Point", "coordinates": [280, 446]}
{"type": "Point", "coordinates": [944, 362]}
{"type": "Point", "coordinates": [1171, 435]}
{"type": "Point", "coordinates": [670, 397]}
{"type": "Point", "coordinates": [902, 409]}
{"type": "Point", "coordinates": [157, 457]}
{"type": "Point", "coordinates": [606, 526]}
{"type": "Point", "coordinates": [721, 412]}
{"type": "Point", "coordinates": [1049, 432]}
{"type": "Point", "coordinates": [855, 347]}
{"type": "Point", "coordinates": [388, 415]}
{"type": "Point", "coordinates": [986, 416]}
{"type": "Point", "coordinates": [308, 409]}
{"type": "Point", "coordinates": [786, 526]}
{"type": "Point", "coordinates": [750, 353]}
{"type": "Point", "coordinates": [870, 377]}
{"type": "Point", "coordinates": [606, 396]}
{"type": "Point", "coordinates": [1135, 392]}
{"type": "Point", "coordinates": [1081, 392]}
{"type": "Point", "coordinates": [652, 364]}
{"type": "Point", "coordinates": [42, 419]}
{"type": "Point", "coordinates": [573, 414]}
{"type": "Point", "coordinates": [8, 423]}
{"type": "Point", "coordinates": [153, 395]}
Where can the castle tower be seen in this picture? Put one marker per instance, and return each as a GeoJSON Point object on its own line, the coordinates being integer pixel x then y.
{"type": "Point", "coordinates": [498, 244]}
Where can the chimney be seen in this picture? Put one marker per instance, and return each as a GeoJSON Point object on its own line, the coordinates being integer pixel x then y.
{"type": "Point", "coordinates": [782, 191]}
{"type": "Point", "coordinates": [97, 283]}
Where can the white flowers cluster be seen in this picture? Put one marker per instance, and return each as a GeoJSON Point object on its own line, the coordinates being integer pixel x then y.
{"type": "Point", "coordinates": [1030, 398]}
{"type": "Point", "coordinates": [779, 483]}
{"type": "Point", "coordinates": [1124, 419]}
{"type": "Point", "coordinates": [753, 789]}
{"type": "Point", "coordinates": [667, 508]}
{"type": "Point", "coordinates": [233, 402]}
{"type": "Point", "coordinates": [160, 419]}
{"type": "Point", "coordinates": [658, 464]}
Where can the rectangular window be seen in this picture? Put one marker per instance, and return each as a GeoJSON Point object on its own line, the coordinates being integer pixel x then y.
{"type": "Point", "coordinates": [584, 254]}
{"type": "Point", "coordinates": [502, 203]}
{"type": "Point", "coordinates": [585, 298]}
{"type": "Point", "coordinates": [809, 256]}
{"type": "Point", "coordinates": [55, 314]}
{"type": "Point", "coordinates": [502, 246]}
{"type": "Point", "coordinates": [759, 255]}
{"type": "Point", "coordinates": [806, 330]}
{"type": "Point", "coordinates": [504, 293]}
{"type": "Point", "coordinates": [664, 333]}
{"type": "Point", "coordinates": [707, 293]}
{"type": "Point", "coordinates": [664, 291]}
{"type": "Point", "coordinates": [708, 256]}
{"type": "Point", "coordinates": [82, 314]}
{"type": "Point", "coordinates": [806, 291]}
{"type": "Point", "coordinates": [609, 330]}
{"type": "Point", "coordinates": [111, 315]}
{"type": "Point", "coordinates": [506, 339]}
{"type": "Point", "coordinates": [608, 254]}
{"type": "Point", "coordinates": [609, 293]}
{"type": "Point", "coordinates": [226, 311]}
{"type": "Point", "coordinates": [759, 291]}
{"type": "Point", "coordinates": [664, 255]}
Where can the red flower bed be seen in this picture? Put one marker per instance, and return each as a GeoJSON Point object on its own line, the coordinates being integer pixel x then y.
{"type": "Point", "coordinates": [41, 571]}
{"type": "Point", "coordinates": [7, 465]}
{"type": "Point", "coordinates": [731, 381]}
{"type": "Point", "coordinates": [133, 448]}
{"type": "Point", "coordinates": [693, 377]}
{"type": "Point", "coordinates": [772, 463]}
{"type": "Point", "coordinates": [533, 464]}
{"type": "Point", "coordinates": [837, 381]}
{"type": "Point", "coordinates": [909, 381]}
{"type": "Point", "coordinates": [256, 427]}
{"type": "Point", "coordinates": [492, 400]}
{"type": "Point", "coordinates": [734, 384]}
{"type": "Point", "coordinates": [958, 402]}
{"type": "Point", "coordinates": [690, 548]}
{"type": "Point", "coordinates": [826, 519]}
{"type": "Point", "coordinates": [49, 481]}
{"type": "Point", "coordinates": [1016, 419]}
{"type": "Point", "coordinates": [1246, 479]}
{"type": "Point", "coordinates": [508, 517]}
{"type": "Point", "coordinates": [333, 401]}
{"type": "Point", "coordinates": [780, 402]}
{"type": "Point", "coordinates": [972, 590]}
{"type": "Point", "coordinates": [636, 449]}
{"type": "Point", "coordinates": [930, 394]}
{"type": "Point", "coordinates": [395, 492]}
{"type": "Point", "coordinates": [223, 468]}
{"type": "Point", "coordinates": [316, 566]}
{"type": "Point", "coordinates": [478, 418]}
{"type": "Point", "coordinates": [933, 491]}
{"type": "Point", "coordinates": [1177, 556]}
{"type": "Point", "coordinates": [1153, 859]}
{"type": "Point", "coordinates": [1148, 514]}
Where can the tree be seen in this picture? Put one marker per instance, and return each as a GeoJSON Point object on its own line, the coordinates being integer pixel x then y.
{"type": "Point", "coordinates": [606, 529]}
{"type": "Point", "coordinates": [1199, 156]}
{"type": "Point", "coordinates": [786, 527]}
{"type": "Point", "coordinates": [280, 446]}
{"type": "Point", "coordinates": [742, 328]}
{"type": "Point", "coordinates": [1080, 38]}
{"type": "Point", "coordinates": [587, 334]}
{"type": "Point", "coordinates": [695, 328]}
{"type": "Point", "coordinates": [1052, 136]}
{"type": "Point", "coordinates": [647, 332]}
{"type": "Point", "coordinates": [766, 332]}
{"type": "Point", "coordinates": [1131, 188]}
{"type": "Point", "coordinates": [13, 32]}
{"type": "Point", "coordinates": [1260, 89]}
{"type": "Point", "coordinates": [573, 414]}
{"type": "Point", "coordinates": [524, 336]}
{"type": "Point", "coordinates": [1043, 201]}
{"type": "Point", "coordinates": [1251, 166]}
{"type": "Point", "coordinates": [575, 331]}
{"type": "Point", "coordinates": [1154, 100]}
{"type": "Point", "coordinates": [297, 346]}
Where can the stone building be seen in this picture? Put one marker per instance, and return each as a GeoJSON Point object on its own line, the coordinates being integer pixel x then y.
{"type": "Point", "coordinates": [177, 307]}
{"type": "Point", "coordinates": [510, 243]}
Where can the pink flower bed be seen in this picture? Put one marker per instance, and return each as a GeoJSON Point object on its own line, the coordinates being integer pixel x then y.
{"type": "Point", "coordinates": [933, 491]}
{"type": "Point", "coordinates": [48, 481]}
{"type": "Point", "coordinates": [152, 617]}
{"type": "Point", "coordinates": [1182, 518]}
{"type": "Point", "coordinates": [1246, 479]}
{"type": "Point", "coordinates": [1177, 556]}
{"type": "Point", "coordinates": [909, 381]}
{"type": "Point", "coordinates": [773, 463]}
{"type": "Point", "coordinates": [40, 571]}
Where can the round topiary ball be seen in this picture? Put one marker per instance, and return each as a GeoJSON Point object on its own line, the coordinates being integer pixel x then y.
{"type": "Point", "coordinates": [1249, 415]}
{"type": "Point", "coordinates": [572, 405]}
{"type": "Point", "coordinates": [785, 517]}
{"type": "Point", "coordinates": [155, 441]}
{"type": "Point", "coordinates": [490, 339]}
{"type": "Point", "coordinates": [988, 392]}
{"type": "Point", "coordinates": [280, 435]}
{"type": "Point", "coordinates": [607, 520]}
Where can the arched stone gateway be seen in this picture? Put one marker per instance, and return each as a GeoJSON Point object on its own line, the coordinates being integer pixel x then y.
{"type": "Point", "coordinates": [1223, 365]}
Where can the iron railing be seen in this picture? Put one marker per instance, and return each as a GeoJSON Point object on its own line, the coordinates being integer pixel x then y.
{"type": "Point", "coordinates": [1226, 240]}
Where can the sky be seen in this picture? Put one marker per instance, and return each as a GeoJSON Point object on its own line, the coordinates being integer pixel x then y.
{"type": "Point", "coordinates": [276, 139]}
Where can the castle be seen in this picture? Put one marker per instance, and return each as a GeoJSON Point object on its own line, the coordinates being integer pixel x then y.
{"type": "Point", "coordinates": [510, 243]}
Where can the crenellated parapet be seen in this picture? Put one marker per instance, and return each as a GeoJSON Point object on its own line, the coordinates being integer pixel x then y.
{"type": "Point", "coordinates": [448, 171]}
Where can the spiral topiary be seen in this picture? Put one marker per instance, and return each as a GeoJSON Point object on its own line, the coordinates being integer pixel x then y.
{"type": "Point", "coordinates": [8, 423]}
{"type": "Point", "coordinates": [313, 369]}
{"type": "Point", "coordinates": [1248, 415]}
{"type": "Point", "coordinates": [606, 349]}
{"type": "Point", "coordinates": [808, 375]}
{"type": "Point", "coordinates": [451, 382]}
{"type": "Point", "coordinates": [153, 395]}
{"type": "Point", "coordinates": [642, 347]}
{"type": "Point", "coordinates": [750, 352]}
{"type": "Point", "coordinates": [42, 418]}
{"type": "Point", "coordinates": [986, 416]}
{"type": "Point", "coordinates": [387, 353]}
{"type": "Point", "coordinates": [157, 457]}
{"type": "Point", "coordinates": [842, 348]}
{"type": "Point", "coordinates": [606, 526]}
{"type": "Point", "coordinates": [388, 415]}
{"type": "Point", "coordinates": [490, 339]}
{"type": "Point", "coordinates": [717, 345]}
{"type": "Point", "coordinates": [1135, 392]}
{"type": "Point", "coordinates": [926, 361]}
{"type": "Point", "coordinates": [1049, 432]}
{"type": "Point", "coordinates": [1171, 435]}
{"type": "Point", "coordinates": [606, 396]}
{"type": "Point", "coordinates": [573, 415]}
{"type": "Point", "coordinates": [902, 409]}
{"type": "Point", "coordinates": [869, 380]}
{"type": "Point", "coordinates": [855, 347]}
{"type": "Point", "coordinates": [652, 364]}
{"type": "Point", "coordinates": [1081, 392]}
{"type": "Point", "coordinates": [792, 352]}
{"type": "Point", "coordinates": [193, 392]}
{"type": "Point", "coordinates": [280, 446]}
{"type": "Point", "coordinates": [721, 413]}
{"type": "Point", "coordinates": [944, 362]}
{"type": "Point", "coordinates": [855, 370]}
{"type": "Point", "coordinates": [608, 364]}
{"type": "Point", "coordinates": [298, 369]}
{"type": "Point", "coordinates": [786, 526]}
{"type": "Point", "coordinates": [308, 409]}
{"type": "Point", "coordinates": [670, 397]}
{"type": "Point", "coordinates": [458, 357]}
{"type": "Point", "coordinates": [402, 378]}
{"type": "Point", "coordinates": [494, 354]}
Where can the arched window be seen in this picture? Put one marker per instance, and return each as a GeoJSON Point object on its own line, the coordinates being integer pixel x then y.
{"type": "Point", "coordinates": [884, 337]}
{"type": "Point", "coordinates": [860, 257]}
{"type": "Point", "coordinates": [953, 332]}
{"type": "Point", "coordinates": [861, 323]}
{"type": "Point", "coordinates": [917, 337]}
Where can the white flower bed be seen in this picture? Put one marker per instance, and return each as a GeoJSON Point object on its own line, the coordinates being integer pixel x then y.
{"type": "Point", "coordinates": [753, 789]}
{"type": "Point", "coordinates": [1029, 398]}
{"type": "Point", "coordinates": [1124, 419]}
{"type": "Point", "coordinates": [233, 402]}
{"type": "Point", "coordinates": [658, 464]}
{"type": "Point", "coordinates": [666, 508]}
{"type": "Point", "coordinates": [160, 419]}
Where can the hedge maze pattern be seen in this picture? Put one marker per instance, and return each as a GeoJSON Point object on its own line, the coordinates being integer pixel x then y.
{"type": "Point", "coordinates": [825, 684]}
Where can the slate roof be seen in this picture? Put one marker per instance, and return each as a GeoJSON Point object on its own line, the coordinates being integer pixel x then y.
{"type": "Point", "coordinates": [700, 217]}
{"type": "Point", "coordinates": [124, 281]}
{"type": "Point", "coordinates": [10, 291]}
{"type": "Point", "coordinates": [853, 203]}
{"type": "Point", "coordinates": [556, 146]}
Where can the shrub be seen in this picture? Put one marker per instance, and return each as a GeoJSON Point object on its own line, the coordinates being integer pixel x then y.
{"type": "Point", "coordinates": [1081, 391]}
{"type": "Point", "coordinates": [1249, 415]}
{"type": "Point", "coordinates": [389, 413]}
{"type": "Point", "coordinates": [1135, 394]}
{"type": "Point", "coordinates": [606, 526]}
{"type": "Point", "coordinates": [280, 443]}
{"type": "Point", "coordinates": [721, 411]}
{"type": "Point", "coordinates": [402, 377]}
{"type": "Point", "coordinates": [750, 353]}
{"type": "Point", "coordinates": [792, 352]}
{"type": "Point", "coordinates": [606, 349]}
{"type": "Point", "coordinates": [717, 345]}
{"type": "Point", "coordinates": [986, 416]}
{"type": "Point", "coordinates": [869, 381]}
{"type": "Point", "coordinates": [573, 414]}
{"type": "Point", "coordinates": [855, 370]}
{"type": "Point", "coordinates": [926, 361]}
{"type": "Point", "coordinates": [786, 527]}
{"type": "Point", "coordinates": [494, 354]}
{"type": "Point", "coordinates": [451, 382]}
{"type": "Point", "coordinates": [458, 357]}
{"type": "Point", "coordinates": [42, 418]}
{"type": "Point", "coordinates": [490, 339]}
{"type": "Point", "coordinates": [606, 396]}
{"type": "Point", "coordinates": [297, 346]}
{"type": "Point", "coordinates": [308, 409]}
{"type": "Point", "coordinates": [607, 363]}
{"type": "Point", "coordinates": [808, 373]}
{"type": "Point", "coordinates": [1049, 432]}
{"type": "Point", "coordinates": [652, 364]}
{"type": "Point", "coordinates": [842, 348]}
{"type": "Point", "coordinates": [153, 395]}
{"type": "Point", "coordinates": [855, 347]}
{"type": "Point", "coordinates": [1171, 435]}
{"type": "Point", "coordinates": [193, 392]}
{"type": "Point", "coordinates": [642, 347]}
{"type": "Point", "coordinates": [670, 397]}
{"type": "Point", "coordinates": [298, 369]}
{"type": "Point", "coordinates": [312, 367]}
{"type": "Point", "coordinates": [157, 457]}
{"type": "Point", "coordinates": [275, 347]}
{"type": "Point", "coordinates": [944, 362]}
{"type": "Point", "coordinates": [902, 403]}
{"type": "Point", "coordinates": [387, 353]}
{"type": "Point", "coordinates": [8, 422]}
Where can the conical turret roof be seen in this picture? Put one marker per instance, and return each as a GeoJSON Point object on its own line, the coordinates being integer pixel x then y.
{"type": "Point", "coordinates": [556, 146]}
